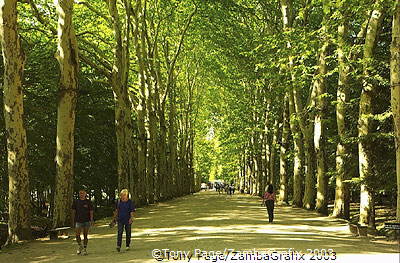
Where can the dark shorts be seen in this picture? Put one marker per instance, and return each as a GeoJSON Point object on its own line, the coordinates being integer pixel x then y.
{"type": "Point", "coordinates": [82, 225]}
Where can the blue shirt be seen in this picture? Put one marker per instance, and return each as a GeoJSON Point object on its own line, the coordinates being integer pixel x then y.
{"type": "Point", "coordinates": [124, 211]}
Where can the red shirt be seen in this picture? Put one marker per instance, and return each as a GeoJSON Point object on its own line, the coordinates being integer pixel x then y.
{"type": "Point", "coordinates": [268, 196]}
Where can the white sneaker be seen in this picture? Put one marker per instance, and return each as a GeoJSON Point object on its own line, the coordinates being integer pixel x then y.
{"type": "Point", "coordinates": [79, 251]}
{"type": "Point", "coordinates": [127, 248]}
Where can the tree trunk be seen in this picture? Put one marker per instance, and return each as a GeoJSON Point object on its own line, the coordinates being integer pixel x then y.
{"type": "Point", "coordinates": [320, 140]}
{"type": "Point", "coordinates": [272, 163]}
{"type": "Point", "coordinates": [283, 162]}
{"type": "Point", "coordinates": [342, 202]}
{"type": "Point", "coordinates": [266, 145]}
{"type": "Point", "coordinates": [152, 147]}
{"type": "Point", "coordinates": [309, 152]}
{"type": "Point", "coordinates": [365, 145]}
{"type": "Point", "coordinates": [141, 106]}
{"type": "Point", "coordinates": [67, 56]}
{"type": "Point", "coordinates": [300, 128]}
{"type": "Point", "coordinates": [395, 83]}
{"type": "Point", "coordinates": [298, 172]}
{"type": "Point", "coordinates": [19, 227]}
{"type": "Point", "coordinates": [123, 110]}
{"type": "Point", "coordinates": [163, 175]}
{"type": "Point", "coordinates": [172, 145]}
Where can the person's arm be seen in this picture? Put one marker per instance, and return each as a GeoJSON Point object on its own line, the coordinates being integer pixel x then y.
{"type": "Point", "coordinates": [91, 216]}
{"type": "Point", "coordinates": [133, 214]}
{"type": "Point", "coordinates": [91, 211]}
{"type": "Point", "coordinates": [132, 217]}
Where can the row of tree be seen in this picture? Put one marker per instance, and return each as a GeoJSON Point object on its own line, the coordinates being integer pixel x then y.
{"type": "Point", "coordinates": [309, 98]}
{"type": "Point", "coordinates": [126, 54]}
{"type": "Point", "coordinates": [159, 95]}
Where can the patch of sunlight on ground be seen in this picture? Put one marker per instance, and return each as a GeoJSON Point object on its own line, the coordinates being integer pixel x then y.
{"type": "Point", "coordinates": [97, 236]}
{"type": "Point", "coordinates": [206, 237]}
{"type": "Point", "coordinates": [43, 259]}
{"type": "Point", "coordinates": [211, 218]}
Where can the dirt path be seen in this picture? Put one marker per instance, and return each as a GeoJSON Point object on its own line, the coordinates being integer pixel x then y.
{"type": "Point", "coordinates": [210, 222]}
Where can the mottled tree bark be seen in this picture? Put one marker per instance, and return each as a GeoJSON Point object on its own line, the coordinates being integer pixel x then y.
{"type": "Point", "coordinates": [141, 105]}
{"type": "Point", "coordinates": [365, 145]}
{"type": "Point", "coordinates": [321, 116]}
{"type": "Point", "coordinates": [298, 159]}
{"type": "Point", "coordinates": [67, 56]}
{"type": "Point", "coordinates": [123, 105]}
{"type": "Point", "coordinates": [342, 202]}
{"type": "Point", "coordinates": [283, 162]}
{"type": "Point", "coordinates": [395, 84]}
{"type": "Point", "coordinates": [19, 227]}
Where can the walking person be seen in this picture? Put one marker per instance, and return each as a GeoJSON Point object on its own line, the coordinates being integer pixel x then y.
{"type": "Point", "coordinates": [82, 219]}
{"type": "Point", "coordinates": [269, 200]}
{"type": "Point", "coordinates": [123, 215]}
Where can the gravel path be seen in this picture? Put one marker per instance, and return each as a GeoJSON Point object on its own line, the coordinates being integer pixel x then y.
{"type": "Point", "coordinates": [208, 223]}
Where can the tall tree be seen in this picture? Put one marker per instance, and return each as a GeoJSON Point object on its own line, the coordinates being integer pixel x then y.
{"type": "Point", "coordinates": [140, 48]}
{"type": "Point", "coordinates": [365, 145]}
{"type": "Point", "coordinates": [119, 83]}
{"type": "Point", "coordinates": [14, 60]}
{"type": "Point", "coordinates": [67, 56]}
{"type": "Point", "coordinates": [283, 163]}
{"type": "Point", "coordinates": [320, 137]}
{"type": "Point", "coordinates": [341, 207]}
{"type": "Point", "coordinates": [395, 83]}
{"type": "Point", "coordinates": [295, 116]}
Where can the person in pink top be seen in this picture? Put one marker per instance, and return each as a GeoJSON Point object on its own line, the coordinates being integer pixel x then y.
{"type": "Point", "coordinates": [269, 200]}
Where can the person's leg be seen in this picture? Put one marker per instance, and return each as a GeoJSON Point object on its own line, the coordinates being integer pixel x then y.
{"type": "Point", "coordinates": [85, 236]}
{"type": "Point", "coordinates": [78, 230]}
{"type": "Point", "coordinates": [268, 203]}
{"type": "Point", "coordinates": [128, 229]}
{"type": "Point", "coordinates": [119, 235]}
{"type": "Point", "coordinates": [272, 210]}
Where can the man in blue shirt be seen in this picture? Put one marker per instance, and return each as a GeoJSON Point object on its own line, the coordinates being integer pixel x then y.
{"type": "Point", "coordinates": [124, 214]}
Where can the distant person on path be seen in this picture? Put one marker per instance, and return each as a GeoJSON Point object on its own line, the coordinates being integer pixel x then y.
{"type": "Point", "coordinates": [269, 200]}
{"type": "Point", "coordinates": [82, 218]}
{"type": "Point", "coordinates": [218, 188]}
{"type": "Point", "coordinates": [123, 215]}
{"type": "Point", "coordinates": [231, 189]}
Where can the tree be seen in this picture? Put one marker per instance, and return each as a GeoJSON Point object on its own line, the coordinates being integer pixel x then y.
{"type": "Point", "coordinates": [395, 84]}
{"type": "Point", "coordinates": [14, 59]}
{"type": "Point", "coordinates": [67, 56]}
{"type": "Point", "coordinates": [365, 145]}
{"type": "Point", "coordinates": [321, 116]}
{"type": "Point", "coordinates": [342, 207]}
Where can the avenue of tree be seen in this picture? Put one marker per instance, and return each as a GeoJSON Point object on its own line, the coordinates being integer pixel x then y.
{"type": "Point", "coordinates": [158, 96]}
